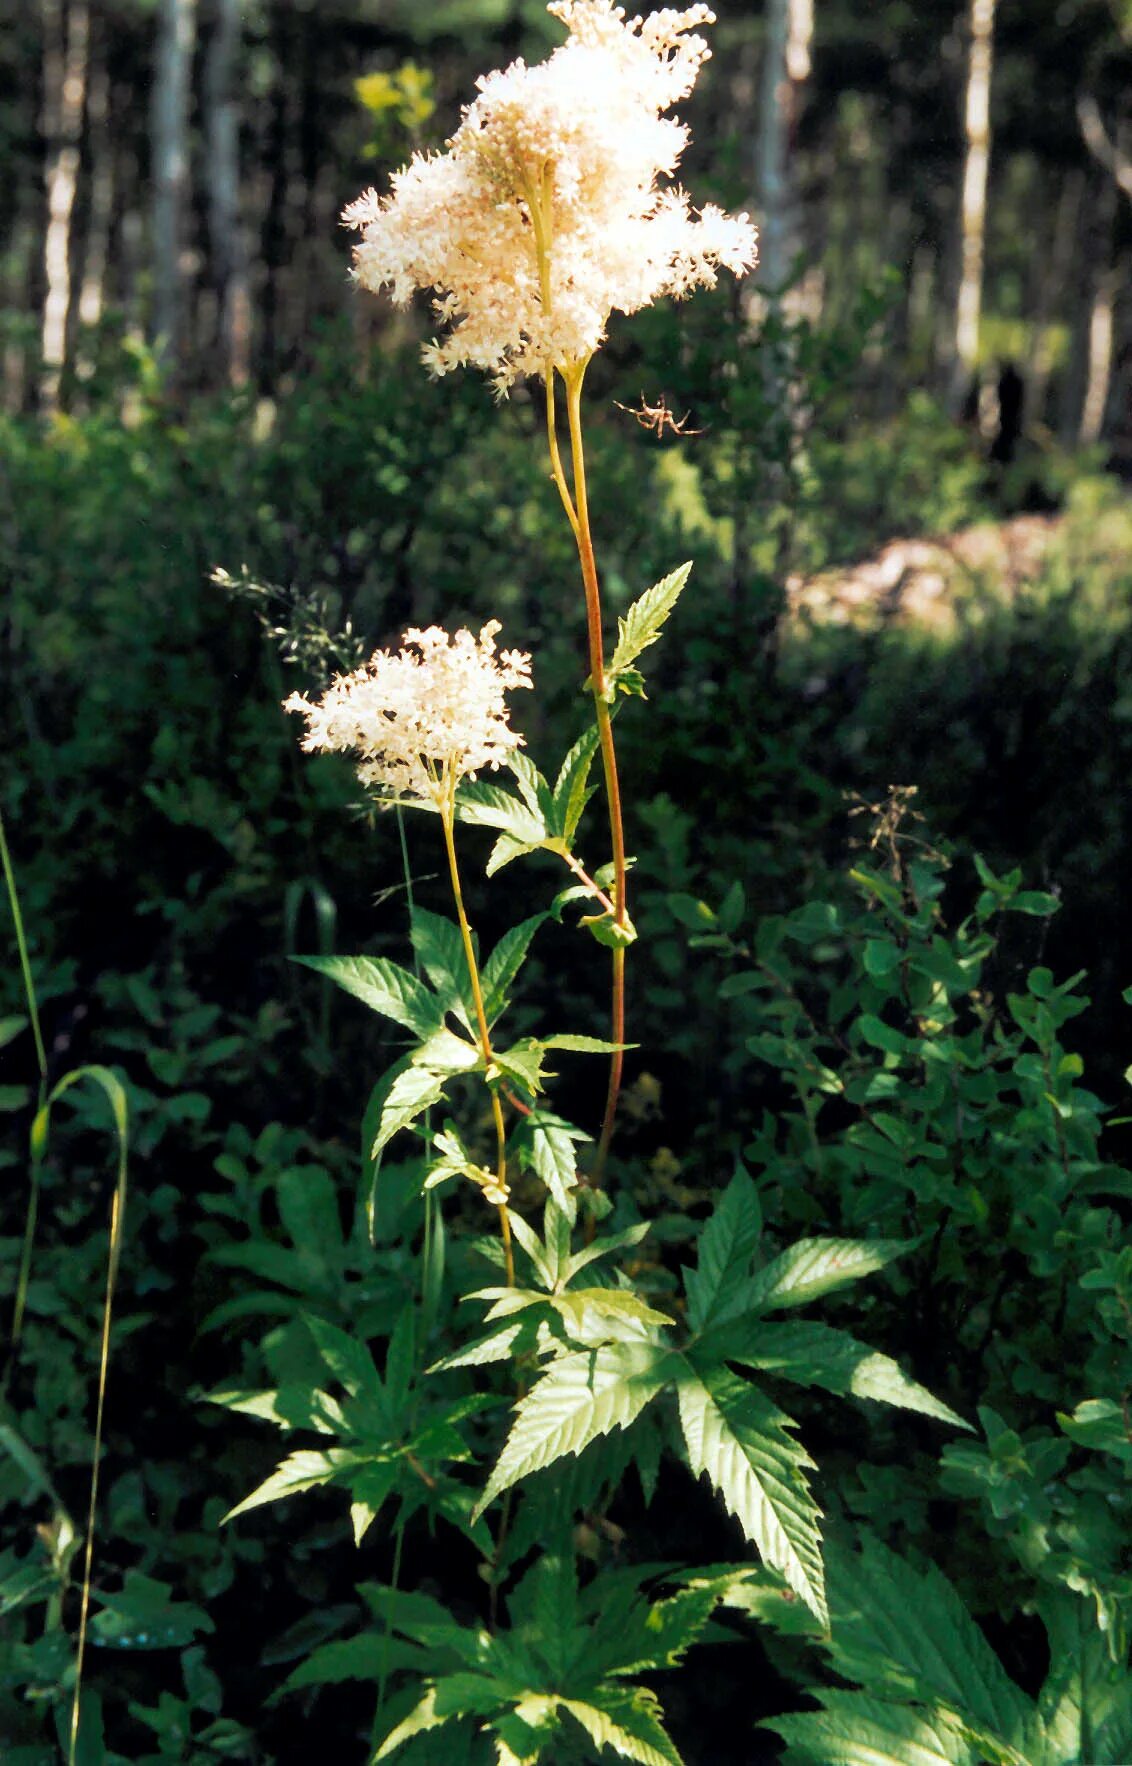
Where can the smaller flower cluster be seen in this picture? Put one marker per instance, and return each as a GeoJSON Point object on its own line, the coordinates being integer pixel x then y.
{"type": "Point", "coordinates": [422, 717]}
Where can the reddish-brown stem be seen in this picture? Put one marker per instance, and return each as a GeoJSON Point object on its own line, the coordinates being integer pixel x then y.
{"type": "Point", "coordinates": [599, 687]}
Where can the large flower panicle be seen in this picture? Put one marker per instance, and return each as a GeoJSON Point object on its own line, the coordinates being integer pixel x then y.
{"type": "Point", "coordinates": [424, 716]}
{"type": "Point", "coordinates": [547, 211]}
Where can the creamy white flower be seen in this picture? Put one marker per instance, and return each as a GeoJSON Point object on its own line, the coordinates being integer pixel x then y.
{"type": "Point", "coordinates": [547, 211]}
{"type": "Point", "coordinates": [424, 716]}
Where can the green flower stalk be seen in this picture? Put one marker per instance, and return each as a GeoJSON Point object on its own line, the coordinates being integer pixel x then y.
{"type": "Point", "coordinates": [419, 720]}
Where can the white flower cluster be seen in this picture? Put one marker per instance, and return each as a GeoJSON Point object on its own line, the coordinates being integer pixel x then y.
{"type": "Point", "coordinates": [423, 716]}
{"type": "Point", "coordinates": [546, 212]}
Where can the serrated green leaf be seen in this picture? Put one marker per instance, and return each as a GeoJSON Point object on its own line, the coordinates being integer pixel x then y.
{"type": "Point", "coordinates": [495, 1346]}
{"type": "Point", "coordinates": [812, 1354]}
{"type": "Point", "coordinates": [423, 1716]}
{"type": "Point", "coordinates": [522, 1061]}
{"type": "Point", "coordinates": [384, 987]}
{"type": "Point", "coordinates": [571, 791]}
{"type": "Point", "coordinates": [504, 964]}
{"type": "Point", "coordinates": [445, 1052]}
{"type": "Point", "coordinates": [628, 1721]}
{"type": "Point", "coordinates": [440, 949]}
{"type": "Point", "coordinates": [642, 624]}
{"type": "Point", "coordinates": [726, 1246]}
{"type": "Point", "coordinates": [579, 1397]}
{"type": "Point", "coordinates": [856, 1730]}
{"type": "Point", "coordinates": [943, 1657]}
{"type": "Point", "coordinates": [348, 1359]}
{"type": "Point", "coordinates": [414, 1091]}
{"type": "Point", "coordinates": [814, 1267]}
{"type": "Point", "coordinates": [545, 1145]}
{"type": "Point", "coordinates": [485, 805]}
{"type": "Point", "coordinates": [506, 849]}
{"type": "Point", "coordinates": [367, 1657]}
{"type": "Point", "coordinates": [740, 1440]}
{"type": "Point", "coordinates": [1101, 1424]}
{"type": "Point", "coordinates": [584, 1045]}
{"type": "Point", "coordinates": [299, 1471]}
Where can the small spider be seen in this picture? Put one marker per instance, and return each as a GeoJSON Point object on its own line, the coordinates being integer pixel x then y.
{"type": "Point", "coordinates": [658, 417]}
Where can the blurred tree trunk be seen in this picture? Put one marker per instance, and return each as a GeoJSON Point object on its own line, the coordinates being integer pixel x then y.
{"type": "Point", "coordinates": [226, 240]}
{"type": "Point", "coordinates": [176, 41]}
{"type": "Point", "coordinates": [1057, 265]}
{"type": "Point", "coordinates": [974, 204]}
{"type": "Point", "coordinates": [1099, 350]}
{"type": "Point", "coordinates": [96, 253]}
{"type": "Point", "coordinates": [66, 46]}
{"type": "Point", "coordinates": [785, 68]}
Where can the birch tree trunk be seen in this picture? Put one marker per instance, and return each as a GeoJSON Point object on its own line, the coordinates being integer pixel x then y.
{"type": "Point", "coordinates": [176, 40]}
{"type": "Point", "coordinates": [974, 208]}
{"type": "Point", "coordinates": [226, 239]}
{"type": "Point", "coordinates": [66, 45]}
{"type": "Point", "coordinates": [785, 68]}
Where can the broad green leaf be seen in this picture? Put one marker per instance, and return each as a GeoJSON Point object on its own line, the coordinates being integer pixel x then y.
{"type": "Point", "coordinates": [942, 1657]}
{"type": "Point", "coordinates": [308, 1208]}
{"type": "Point", "coordinates": [571, 791]}
{"type": "Point", "coordinates": [726, 1246]}
{"type": "Point", "coordinates": [816, 1355]}
{"type": "Point", "coordinates": [522, 1061]}
{"type": "Point", "coordinates": [423, 1717]}
{"type": "Point", "coordinates": [366, 1657]}
{"type": "Point", "coordinates": [299, 1471]}
{"type": "Point", "coordinates": [642, 624]}
{"type": "Point", "coordinates": [584, 1045]}
{"type": "Point", "coordinates": [545, 1145]}
{"type": "Point", "coordinates": [445, 1052]}
{"type": "Point", "coordinates": [625, 1240]}
{"type": "Point", "coordinates": [413, 1092]}
{"type": "Point", "coordinates": [496, 1346]}
{"type": "Point", "coordinates": [1101, 1424]}
{"type": "Point", "coordinates": [814, 1267]}
{"type": "Point", "coordinates": [10, 1027]}
{"type": "Point", "coordinates": [504, 964]}
{"type": "Point", "coordinates": [440, 948]}
{"type": "Point", "coordinates": [740, 1440]}
{"type": "Point", "coordinates": [856, 1730]}
{"type": "Point", "coordinates": [1085, 1690]}
{"type": "Point", "coordinates": [348, 1359]}
{"type": "Point", "coordinates": [506, 849]}
{"type": "Point", "coordinates": [486, 805]}
{"type": "Point", "coordinates": [384, 987]}
{"type": "Point", "coordinates": [628, 1721]}
{"type": "Point", "coordinates": [578, 1398]}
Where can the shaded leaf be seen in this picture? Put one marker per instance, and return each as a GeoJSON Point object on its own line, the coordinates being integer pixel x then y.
{"type": "Point", "coordinates": [739, 1439]}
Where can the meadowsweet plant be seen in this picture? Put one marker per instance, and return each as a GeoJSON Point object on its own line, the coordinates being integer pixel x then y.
{"type": "Point", "coordinates": [551, 207]}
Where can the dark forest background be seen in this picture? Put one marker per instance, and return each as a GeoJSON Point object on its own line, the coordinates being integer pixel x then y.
{"type": "Point", "coordinates": [904, 480]}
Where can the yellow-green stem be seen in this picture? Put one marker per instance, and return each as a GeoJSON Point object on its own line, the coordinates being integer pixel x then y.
{"type": "Point", "coordinates": [31, 1214]}
{"type": "Point", "coordinates": [448, 822]}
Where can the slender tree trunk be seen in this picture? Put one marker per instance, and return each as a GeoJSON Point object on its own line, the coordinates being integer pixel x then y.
{"type": "Point", "coordinates": [96, 254]}
{"type": "Point", "coordinates": [974, 211]}
{"type": "Point", "coordinates": [1100, 335]}
{"type": "Point", "coordinates": [65, 67]}
{"type": "Point", "coordinates": [176, 41]}
{"type": "Point", "coordinates": [1053, 289]}
{"type": "Point", "coordinates": [226, 240]}
{"type": "Point", "coordinates": [785, 68]}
